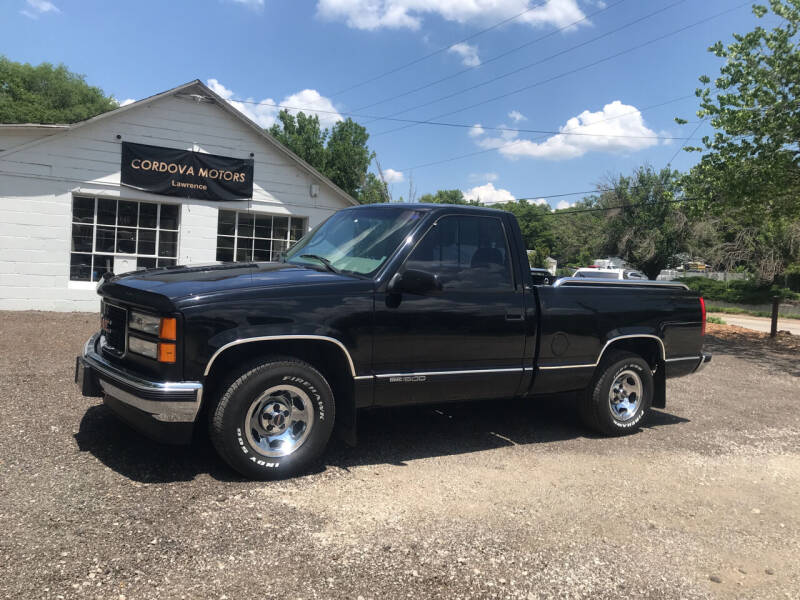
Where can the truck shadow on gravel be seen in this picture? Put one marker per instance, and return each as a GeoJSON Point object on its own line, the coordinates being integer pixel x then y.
{"type": "Point", "coordinates": [385, 436]}
{"type": "Point", "coordinates": [771, 355]}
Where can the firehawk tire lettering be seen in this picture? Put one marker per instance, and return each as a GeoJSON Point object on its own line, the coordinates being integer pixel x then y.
{"type": "Point", "coordinates": [242, 390]}
{"type": "Point", "coordinates": [595, 409]}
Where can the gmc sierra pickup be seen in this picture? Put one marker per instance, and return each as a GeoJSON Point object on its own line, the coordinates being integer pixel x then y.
{"type": "Point", "coordinates": [380, 305]}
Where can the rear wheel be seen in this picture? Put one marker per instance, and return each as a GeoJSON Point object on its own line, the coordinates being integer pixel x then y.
{"type": "Point", "coordinates": [619, 398]}
{"type": "Point", "coordinates": [274, 419]}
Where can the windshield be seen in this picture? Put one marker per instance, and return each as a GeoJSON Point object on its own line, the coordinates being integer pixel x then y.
{"type": "Point", "coordinates": [355, 241]}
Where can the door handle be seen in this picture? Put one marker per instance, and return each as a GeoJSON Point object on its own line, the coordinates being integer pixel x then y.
{"type": "Point", "coordinates": [513, 316]}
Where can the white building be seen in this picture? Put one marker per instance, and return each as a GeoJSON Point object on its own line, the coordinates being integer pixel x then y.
{"type": "Point", "coordinates": [66, 217]}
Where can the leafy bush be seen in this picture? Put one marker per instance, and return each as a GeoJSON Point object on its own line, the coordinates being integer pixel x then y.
{"type": "Point", "coordinates": [740, 291]}
{"type": "Point", "coordinates": [716, 320]}
{"type": "Point", "coordinates": [792, 274]}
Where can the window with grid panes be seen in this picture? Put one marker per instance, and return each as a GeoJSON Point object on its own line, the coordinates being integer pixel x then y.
{"type": "Point", "coordinates": [103, 228]}
{"type": "Point", "coordinates": [246, 236]}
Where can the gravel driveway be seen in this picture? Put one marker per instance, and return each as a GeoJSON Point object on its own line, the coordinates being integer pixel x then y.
{"type": "Point", "coordinates": [491, 500]}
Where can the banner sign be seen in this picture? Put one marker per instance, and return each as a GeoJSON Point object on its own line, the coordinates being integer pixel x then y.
{"type": "Point", "coordinates": [185, 173]}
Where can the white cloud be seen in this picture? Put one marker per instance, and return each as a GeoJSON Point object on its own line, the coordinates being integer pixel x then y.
{"type": "Point", "coordinates": [562, 204]}
{"type": "Point", "coordinates": [488, 194]}
{"type": "Point", "coordinates": [476, 130]}
{"type": "Point", "coordinates": [312, 102]}
{"type": "Point", "coordinates": [127, 101]}
{"type": "Point", "coordinates": [396, 14]}
{"type": "Point", "coordinates": [39, 7]}
{"type": "Point", "coordinates": [392, 176]}
{"type": "Point", "coordinates": [617, 127]}
{"type": "Point", "coordinates": [540, 202]}
{"type": "Point", "coordinates": [469, 54]}
{"type": "Point", "coordinates": [266, 111]}
{"type": "Point", "coordinates": [517, 116]}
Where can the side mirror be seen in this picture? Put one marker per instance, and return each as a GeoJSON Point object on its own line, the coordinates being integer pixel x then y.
{"type": "Point", "coordinates": [412, 281]}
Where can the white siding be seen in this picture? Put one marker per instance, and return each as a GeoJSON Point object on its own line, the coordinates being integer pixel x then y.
{"type": "Point", "coordinates": [11, 137]}
{"type": "Point", "coordinates": [37, 183]}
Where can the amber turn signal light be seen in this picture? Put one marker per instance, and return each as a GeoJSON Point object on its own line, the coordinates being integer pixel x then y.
{"type": "Point", "coordinates": [166, 353]}
{"type": "Point", "coordinates": [169, 329]}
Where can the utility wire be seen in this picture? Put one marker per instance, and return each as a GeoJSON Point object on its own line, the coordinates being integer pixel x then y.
{"type": "Point", "coordinates": [602, 190]}
{"type": "Point", "coordinates": [694, 131]}
{"type": "Point", "coordinates": [620, 207]}
{"type": "Point", "coordinates": [470, 125]}
{"type": "Point", "coordinates": [539, 61]}
{"type": "Point", "coordinates": [565, 132]}
{"type": "Point", "coordinates": [493, 58]}
{"type": "Point", "coordinates": [439, 51]}
{"type": "Point", "coordinates": [577, 69]}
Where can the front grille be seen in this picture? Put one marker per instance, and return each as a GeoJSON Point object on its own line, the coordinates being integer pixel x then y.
{"type": "Point", "coordinates": [115, 323]}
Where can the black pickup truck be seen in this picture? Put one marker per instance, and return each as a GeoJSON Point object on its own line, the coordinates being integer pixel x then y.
{"type": "Point", "coordinates": [380, 305]}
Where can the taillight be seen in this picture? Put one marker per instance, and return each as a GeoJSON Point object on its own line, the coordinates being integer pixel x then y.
{"type": "Point", "coordinates": [703, 315]}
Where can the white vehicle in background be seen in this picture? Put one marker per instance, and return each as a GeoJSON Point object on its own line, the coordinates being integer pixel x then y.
{"type": "Point", "coordinates": [598, 273]}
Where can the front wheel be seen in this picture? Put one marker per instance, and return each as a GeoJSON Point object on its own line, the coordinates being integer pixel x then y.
{"type": "Point", "coordinates": [274, 419]}
{"type": "Point", "coordinates": [620, 396]}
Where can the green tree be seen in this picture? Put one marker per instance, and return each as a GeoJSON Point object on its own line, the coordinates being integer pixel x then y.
{"type": "Point", "coordinates": [748, 179]}
{"type": "Point", "coordinates": [444, 197]}
{"type": "Point", "coordinates": [47, 94]}
{"type": "Point", "coordinates": [340, 154]}
{"type": "Point", "coordinates": [578, 234]}
{"type": "Point", "coordinates": [373, 190]}
{"type": "Point", "coordinates": [348, 156]}
{"type": "Point", "coordinates": [648, 228]}
{"type": "Point", "coordinates": [534, 223]}
{"type": "Point", "coordinates": [302, 135]}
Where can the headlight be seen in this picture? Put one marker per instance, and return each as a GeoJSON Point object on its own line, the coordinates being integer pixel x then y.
{"type": "Point", "coordinates": [144, 322]}
{"type": "Point", "coordinates": [143, 347]}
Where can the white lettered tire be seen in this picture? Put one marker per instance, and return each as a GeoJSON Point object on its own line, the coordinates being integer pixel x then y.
{"type": "Point", "coordinates": [274, 418]}
{"type": "Point", "coordinates": [620, 396]}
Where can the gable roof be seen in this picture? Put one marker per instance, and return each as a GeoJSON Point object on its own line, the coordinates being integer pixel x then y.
{"type": "Point", "coordinates": [201, 91]}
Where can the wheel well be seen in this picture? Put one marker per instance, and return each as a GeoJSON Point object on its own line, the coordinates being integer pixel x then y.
{"type": "Point", "coordinates": [326, 357]}
{"type": "Point", "coordinates": [646, 347]}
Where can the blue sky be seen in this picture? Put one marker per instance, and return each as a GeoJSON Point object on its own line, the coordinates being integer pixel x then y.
{"type": "Point", "coordinates": [312, 54]}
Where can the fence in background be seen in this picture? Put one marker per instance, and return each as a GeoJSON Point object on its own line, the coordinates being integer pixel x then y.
{"type": "Point", "coordinates": [672, 274]}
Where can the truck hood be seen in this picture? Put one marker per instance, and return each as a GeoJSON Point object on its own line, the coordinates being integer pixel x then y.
{"type": "Point", "coordinates": [162, 288]}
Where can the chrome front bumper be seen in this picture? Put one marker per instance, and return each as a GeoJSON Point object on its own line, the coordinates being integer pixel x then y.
{"type": "Point", "coordinates": [162, 401]}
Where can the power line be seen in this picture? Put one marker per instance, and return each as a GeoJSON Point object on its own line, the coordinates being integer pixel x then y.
{"type": "Point", "coordinates": [439, 51]}
{"type": "Point", "coordinates": [620, 207]}
{"type": "Point", "coordinates": [538, 62]}
{"type": "Point", "coordinates": [467, 125]}
{"type": "Point", "coordinates": [515, 142]}
{"type": "Point", "coordinates": [577, 69]}
{"type": "Point", "coordinates": [492, 59]}
{"type": "Point", "coordinates": [602, 190]}
{"type": "Point", "coordinates": [678, 151]}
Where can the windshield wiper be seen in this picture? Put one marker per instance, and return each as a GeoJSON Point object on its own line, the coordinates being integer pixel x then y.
{"type": "Point", "coordinates": [324, 261]}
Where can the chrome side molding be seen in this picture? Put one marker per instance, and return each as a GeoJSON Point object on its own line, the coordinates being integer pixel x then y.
{"type": "Point", "coordinates": [453, 372]}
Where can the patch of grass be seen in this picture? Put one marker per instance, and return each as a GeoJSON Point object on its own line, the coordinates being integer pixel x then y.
{"type": "Point", "coordinates": [730, 310]}
{"type": "Point", "coordinates": [740, 291]}
{"type": "Point", "coordinates": [716, 320]}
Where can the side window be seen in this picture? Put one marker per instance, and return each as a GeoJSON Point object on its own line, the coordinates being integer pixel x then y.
{"type": "Point", "coordinates": [466, 253]}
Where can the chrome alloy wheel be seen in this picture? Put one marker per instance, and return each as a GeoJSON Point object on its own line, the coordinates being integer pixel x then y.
{"type": "Point", "coordinates": [625, 395]}
{"type": "Point", "coordinates": [279, 420]}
